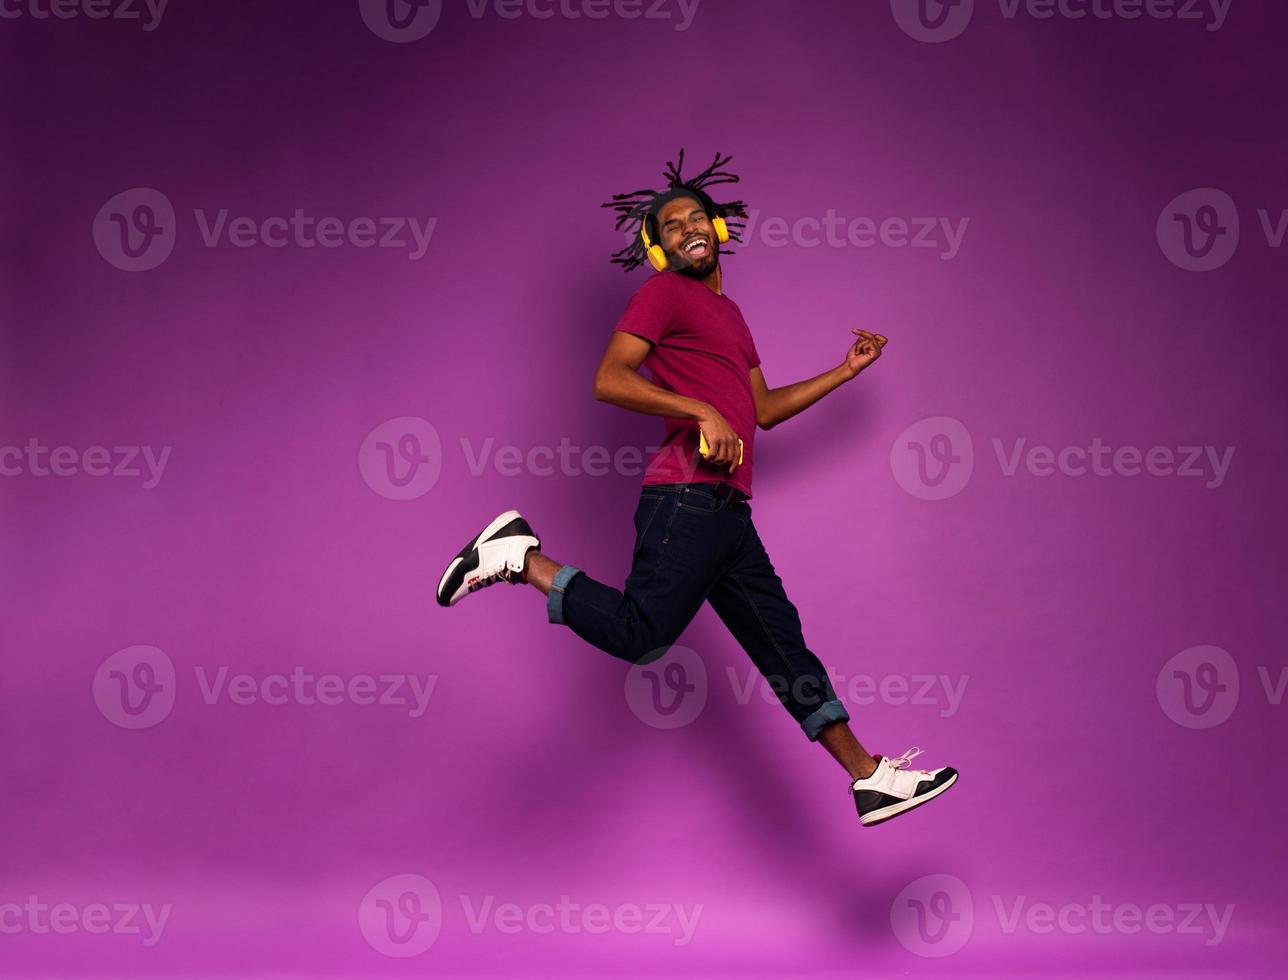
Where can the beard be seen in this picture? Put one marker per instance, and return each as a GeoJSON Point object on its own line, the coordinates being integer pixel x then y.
{"type": "Point", "coordinates": [685, 267]}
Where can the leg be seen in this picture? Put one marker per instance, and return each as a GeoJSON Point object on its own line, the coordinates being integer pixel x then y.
{"type": "Point", "coordinates": [539, 571]}
{"type": "Point", "coordinates": [750, 600]}
{"type": "Point", "coordinates": [676, 560]}
{"type": "Point", "coordinates": [840, 742]}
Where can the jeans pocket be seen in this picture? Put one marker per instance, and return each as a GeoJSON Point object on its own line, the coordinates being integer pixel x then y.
{"type": "Point", "coordinates": [700, 501]}
{"type": "Point", "coordinates": [645, 511]}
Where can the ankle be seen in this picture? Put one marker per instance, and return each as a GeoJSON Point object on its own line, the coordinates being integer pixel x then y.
{"type": "Point", "coordinates": [527, 562]}
{"type": "Point", "coordinates": [864, 771]}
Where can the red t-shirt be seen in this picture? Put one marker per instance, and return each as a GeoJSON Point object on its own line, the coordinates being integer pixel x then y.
{"type": "Point", "coordinates": [703, 349]}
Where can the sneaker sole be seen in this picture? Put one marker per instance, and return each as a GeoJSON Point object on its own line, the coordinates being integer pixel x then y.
{"type": "Point", "coordinates": [886, 812]}
{"type": "Point", "coordinates": [492, 528]}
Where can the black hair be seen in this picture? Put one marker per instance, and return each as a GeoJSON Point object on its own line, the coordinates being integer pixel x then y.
{"type": "Point", "coordinates": [637, 207]}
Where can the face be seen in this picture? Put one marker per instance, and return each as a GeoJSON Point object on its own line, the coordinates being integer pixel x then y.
{"type": "Point", "coordinates": [688, 238]}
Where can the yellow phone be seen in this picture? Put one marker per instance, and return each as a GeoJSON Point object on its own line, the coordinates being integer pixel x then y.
{"type": "Point", "coordinates": [705, 449]}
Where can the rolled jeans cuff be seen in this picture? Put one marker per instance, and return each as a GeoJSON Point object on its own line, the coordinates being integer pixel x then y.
{"type": "Point", "coordinates": [830, 712]}
{"type": "Point", "coordinates": [554, 601]}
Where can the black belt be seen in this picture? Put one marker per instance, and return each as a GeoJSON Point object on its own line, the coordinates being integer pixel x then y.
{"type": "Point", "coordinates": [723, 490]}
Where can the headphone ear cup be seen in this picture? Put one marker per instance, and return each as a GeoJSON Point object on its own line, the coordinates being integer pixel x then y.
{"type": "Point", "coordinates": [722, 229]}
{"type": "Point", "coordinates": [657, 258]}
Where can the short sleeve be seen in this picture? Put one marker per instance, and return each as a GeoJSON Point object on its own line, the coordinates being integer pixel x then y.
{"type": "Point", "coordinates": [649, 313]}
{"type": "Point", "coordinates": [755, 354]}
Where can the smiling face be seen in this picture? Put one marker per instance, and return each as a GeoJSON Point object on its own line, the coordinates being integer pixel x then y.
{"type": "Point", "coordinates": [688, 238]}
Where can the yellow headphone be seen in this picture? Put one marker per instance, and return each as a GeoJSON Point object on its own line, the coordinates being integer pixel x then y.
{"type": "Point", "coordinates": [657, 257]}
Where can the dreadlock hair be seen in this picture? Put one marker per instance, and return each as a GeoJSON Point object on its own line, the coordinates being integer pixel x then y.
{"type": "Point", "coordinates": [637, 207]}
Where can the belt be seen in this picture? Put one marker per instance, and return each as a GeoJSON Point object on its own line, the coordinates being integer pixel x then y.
{"type": "Point", "coordinates": [723, 490]}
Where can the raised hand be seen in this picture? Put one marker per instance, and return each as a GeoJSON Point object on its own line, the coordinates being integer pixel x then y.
{"type": "Point", "coordinates": [865, 350]}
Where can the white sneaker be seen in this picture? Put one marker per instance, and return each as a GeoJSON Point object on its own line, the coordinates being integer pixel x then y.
{"type": "Point", "coordinates": [892, 789]}
{"type": "Point", "coordinates": [495, 555]}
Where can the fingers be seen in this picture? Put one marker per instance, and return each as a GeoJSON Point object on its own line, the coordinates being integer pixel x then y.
{"type": "Point", "coordinates": [728, 451]}
{"type": "Point", "coordinates": [875, 338]}
{"type": "Point", "coordinates": [869, 344]}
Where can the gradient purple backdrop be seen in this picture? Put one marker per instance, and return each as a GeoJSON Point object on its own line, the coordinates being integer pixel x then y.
{"type": "Point", "coordinates": [270, 543]}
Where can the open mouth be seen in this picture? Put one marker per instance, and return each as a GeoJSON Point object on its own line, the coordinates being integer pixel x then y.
{"type": "Point", "coordinates": [698, 247]}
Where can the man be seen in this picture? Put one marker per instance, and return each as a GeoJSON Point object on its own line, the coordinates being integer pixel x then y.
{"type": "Point", "coordinates": [694, 536]}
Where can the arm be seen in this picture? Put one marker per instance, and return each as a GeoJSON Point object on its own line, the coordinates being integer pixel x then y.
{"type": "Point", "coordinates": [774, 405]}
{"type": "Point", "coordinates": [618, 382]}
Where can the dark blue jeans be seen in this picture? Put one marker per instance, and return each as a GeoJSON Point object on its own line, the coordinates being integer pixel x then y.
{"type": "Point", "coordinates": [693, 544]}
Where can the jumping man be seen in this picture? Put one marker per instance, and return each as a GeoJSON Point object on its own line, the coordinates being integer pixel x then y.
{"type": "Point", "coordinates": [694, 536]}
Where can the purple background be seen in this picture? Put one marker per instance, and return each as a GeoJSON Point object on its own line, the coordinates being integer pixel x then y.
{"type": "Point", "coordinates": [1057, 600]}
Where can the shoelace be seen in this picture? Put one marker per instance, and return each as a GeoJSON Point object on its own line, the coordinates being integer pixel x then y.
{"type": "Point", "coordinates": [503, 573]}
{"type": "Point", "coordinates": [898, 762]}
